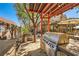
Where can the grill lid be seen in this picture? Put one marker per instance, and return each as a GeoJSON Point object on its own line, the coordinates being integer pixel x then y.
{"type": "Point", "coordinates": [57, 38]}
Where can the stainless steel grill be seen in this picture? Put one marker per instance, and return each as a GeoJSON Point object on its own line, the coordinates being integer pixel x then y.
{"type": "Point", "coordinates": [52, 40]}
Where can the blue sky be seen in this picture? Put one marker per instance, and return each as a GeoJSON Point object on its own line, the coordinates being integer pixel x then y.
{"type": "Point", "coordinates": [72, 13]}
{"type": "Point", "coordinates": [8, 12]}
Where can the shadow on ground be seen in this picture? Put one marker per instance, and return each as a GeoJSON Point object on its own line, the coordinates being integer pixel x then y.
{"type": "Point", "coordinates": [37, 52]}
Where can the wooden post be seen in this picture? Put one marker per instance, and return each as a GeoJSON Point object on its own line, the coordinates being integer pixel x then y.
{"type": "Point", "coordinates": [48, 23]}
{"type": "Point", "coordinates": [36, 28]}
{"type": "Point", "coordinates": [41, 21]}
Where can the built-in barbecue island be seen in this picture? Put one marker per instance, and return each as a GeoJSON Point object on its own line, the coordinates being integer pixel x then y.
{"type": "Point", "coordinates": [60, 44]}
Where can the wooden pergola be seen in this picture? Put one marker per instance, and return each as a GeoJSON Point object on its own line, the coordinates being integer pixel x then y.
{"type": "Point", "coordinates": [50, 9]}
{"type": "Point", "coordinates": [47, 10]}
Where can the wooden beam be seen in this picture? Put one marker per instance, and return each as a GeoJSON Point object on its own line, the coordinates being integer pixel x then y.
{"type": "Point", "coordinates": [30, 6]}
{"type": "Point", "coordinates": [27, 11]}
{"type": "Point", "coordinates": [72, 6]}
{"type": "Point", "coordinates": [59, 6]}
{"type": "Point", "coordinates": [65, 8]}
{"type": "Point", "coordinates": [50, 8]}
{"type": "Point", "coordinates": [48, 23]}
{"type": "Point", "coordinates": [32, 11]}
{"type": "Point", "coordinates": [34, 6]}
{"type": "Point", "coordinates": [41, 22]}
{"type": "Point", "coordinates": [39, 7]}
{"type": "Point", "coordinates": [47, 5]}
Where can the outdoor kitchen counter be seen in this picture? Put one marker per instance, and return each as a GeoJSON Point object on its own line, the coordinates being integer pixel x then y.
{"type": "Point", "coordinates": [5, 45]}
{"type": "Point", "coordinates": [63, 49]}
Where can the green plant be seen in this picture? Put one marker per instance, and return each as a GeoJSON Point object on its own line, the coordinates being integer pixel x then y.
{"type": "Point", "coordinates": [24, 30]}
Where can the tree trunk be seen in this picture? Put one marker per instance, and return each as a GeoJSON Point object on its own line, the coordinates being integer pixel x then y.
{"type": "Point", "coordinates": [23, 39]}
{"type": "Point", "coordinates": [34, 33]}
{"type": "Point", "coordinates": [11, 32]}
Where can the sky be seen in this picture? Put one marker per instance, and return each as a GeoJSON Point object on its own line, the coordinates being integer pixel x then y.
{"type": "Point", "coordinates": [72, 13]}
{"type": "Point", "coordinates": [8, 12]}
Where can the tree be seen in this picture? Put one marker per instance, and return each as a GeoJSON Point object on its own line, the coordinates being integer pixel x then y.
{"type": "Point", "coordinates": [25, 15]}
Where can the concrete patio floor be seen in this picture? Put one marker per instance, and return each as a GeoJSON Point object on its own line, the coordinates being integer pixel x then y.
{"type": "Point", "coordinates": [31, 49]}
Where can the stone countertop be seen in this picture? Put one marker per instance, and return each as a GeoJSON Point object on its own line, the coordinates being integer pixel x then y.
{"type": "Point", "coordinates": [63, 49]}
